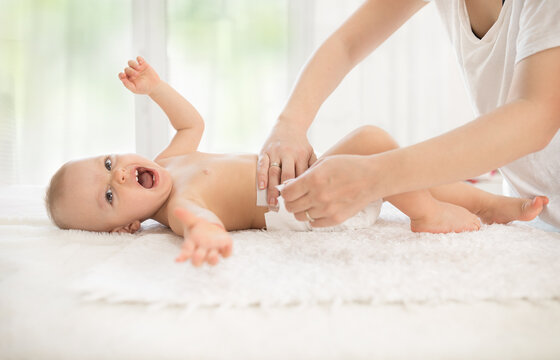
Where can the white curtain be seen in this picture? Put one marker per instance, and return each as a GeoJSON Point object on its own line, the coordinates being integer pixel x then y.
{"type": "Point", "coordinates": [60, 95]}
{"type": "Point", "coordinates": [410, 86]}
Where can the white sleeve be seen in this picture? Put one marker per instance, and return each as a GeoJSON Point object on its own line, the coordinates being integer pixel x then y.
{"type": "Point", "coordinates": [539, 27]}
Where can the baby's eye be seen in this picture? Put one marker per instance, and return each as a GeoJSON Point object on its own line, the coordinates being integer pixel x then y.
{"type": "Point", "coordinates": [109, 196]}
{"type": "Point", "coordinates": [108, 164]}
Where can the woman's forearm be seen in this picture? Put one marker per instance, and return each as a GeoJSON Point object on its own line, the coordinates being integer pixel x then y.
{"type": "Point", "coordinates": [493, 140]}
{"type": "Point", "coordinates": [318, 79]}
{"type": "Point", "coordinates": [362, 33]}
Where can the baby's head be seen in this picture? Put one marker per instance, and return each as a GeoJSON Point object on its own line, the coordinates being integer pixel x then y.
{"type": "Point", "coordinates": [107, 193]}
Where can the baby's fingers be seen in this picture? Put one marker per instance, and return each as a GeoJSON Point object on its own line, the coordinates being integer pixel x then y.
{"type": "Point", "coordinates": [199, 256]}
{"type": "Point", "coordinates": [225, 250]}
{"type": "Point", "coordinates": [212, 257]}
{"type": "Point", "coordinates": [130, 72]}
{"type": "Point", "coordinates": [133, 64]}
{"type": "Point", "coordinates": [186, 251]}
{"type": "Point", "coordinates": [127, 83]}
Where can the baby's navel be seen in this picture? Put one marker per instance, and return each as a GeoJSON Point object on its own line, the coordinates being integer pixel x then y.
{"type": "Point", "coordinates": [206, 171]}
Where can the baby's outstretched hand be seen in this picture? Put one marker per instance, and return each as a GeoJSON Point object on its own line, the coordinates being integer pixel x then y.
{"type": "Point", "coordinates": [204, 240]}
{"type": "Point", "coordinates": [139, 77]}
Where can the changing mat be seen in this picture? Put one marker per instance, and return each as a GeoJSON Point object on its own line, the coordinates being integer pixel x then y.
{"type": "Point", "coordinates": [386, 263]}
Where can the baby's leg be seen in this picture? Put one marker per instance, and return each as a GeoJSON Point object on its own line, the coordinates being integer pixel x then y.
{"type": "Point", "coordinates": [426, 213]}
{"type": "Point", "coordinates": [489, 207]}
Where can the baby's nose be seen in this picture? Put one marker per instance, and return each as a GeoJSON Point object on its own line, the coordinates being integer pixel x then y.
{"type": "Point", "coordinates": [120, 176]}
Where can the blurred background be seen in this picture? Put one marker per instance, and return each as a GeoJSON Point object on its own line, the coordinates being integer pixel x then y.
{"type": "Point", "coordinates": [235, 60]}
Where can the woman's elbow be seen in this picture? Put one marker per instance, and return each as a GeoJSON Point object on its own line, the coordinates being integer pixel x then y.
{"type": "Point", "coordinates": [549, 118]}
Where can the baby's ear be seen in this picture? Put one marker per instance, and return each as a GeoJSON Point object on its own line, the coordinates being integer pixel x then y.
{"type": "Point", "coordinates": [130, 228]}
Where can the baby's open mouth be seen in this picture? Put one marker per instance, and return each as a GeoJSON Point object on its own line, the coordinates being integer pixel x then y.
{"type": "Point", "coordinates": [145, 177]}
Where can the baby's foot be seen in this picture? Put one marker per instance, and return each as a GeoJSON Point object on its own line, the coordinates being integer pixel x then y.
{"type": "Point", "coordinates": [502, 209]}
{"type": "Point", "coordinates": [446, 218]}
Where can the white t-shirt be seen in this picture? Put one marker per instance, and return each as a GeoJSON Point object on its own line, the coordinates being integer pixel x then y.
{"type": "Point", "coordinates": [523, 28]}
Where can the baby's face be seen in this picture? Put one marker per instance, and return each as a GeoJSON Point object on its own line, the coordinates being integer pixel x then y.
{"type": "Point", "coordinates": [106, 192]}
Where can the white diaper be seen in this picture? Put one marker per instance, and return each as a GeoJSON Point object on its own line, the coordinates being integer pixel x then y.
{"type": "Point", "coordinates": [284, 220]}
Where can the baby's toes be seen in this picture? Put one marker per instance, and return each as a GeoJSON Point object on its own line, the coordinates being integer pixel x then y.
{"type": "Point", "coordinates": [476, 225]}
{"type": "Point", "coordinates": [539, 202]}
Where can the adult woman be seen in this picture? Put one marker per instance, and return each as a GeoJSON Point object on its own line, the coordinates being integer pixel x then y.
{"type": "Point", "coordinates": [510, 55]}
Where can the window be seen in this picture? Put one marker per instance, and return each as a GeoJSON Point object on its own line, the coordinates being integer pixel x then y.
{"type": "Point", "coordinates": [229, 58]}
{"type": "Point", "coordinates": [235, 60]}
{"type": "Point", "coordinates": [60, 97]}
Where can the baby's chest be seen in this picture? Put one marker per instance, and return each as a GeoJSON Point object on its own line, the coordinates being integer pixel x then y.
{"type": "Point", "coordinates": [198, 181]}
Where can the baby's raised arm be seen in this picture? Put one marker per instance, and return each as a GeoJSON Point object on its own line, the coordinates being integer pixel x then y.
{"type": "Point", "coordinates": [140, 78]}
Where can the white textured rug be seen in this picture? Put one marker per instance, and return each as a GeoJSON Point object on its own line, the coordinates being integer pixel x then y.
{"type": "Point", "coordinates": [384, 264]}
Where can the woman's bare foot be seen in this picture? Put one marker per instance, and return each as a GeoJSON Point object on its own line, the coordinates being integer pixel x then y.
{"type": "Point", "coordinates": [502, 209]}
{"type": "Point", "coordinates": [445, 218]}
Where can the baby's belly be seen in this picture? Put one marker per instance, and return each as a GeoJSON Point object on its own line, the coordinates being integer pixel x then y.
{"type": "Point", "coordinates": [230, 193]}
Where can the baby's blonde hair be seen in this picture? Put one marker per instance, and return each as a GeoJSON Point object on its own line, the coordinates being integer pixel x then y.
{"type": "Point", "coordinates": [54, 192]}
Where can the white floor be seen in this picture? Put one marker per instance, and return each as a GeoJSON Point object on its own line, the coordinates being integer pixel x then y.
{"type": "Point", "coordinates": [66, 329]}
{"type": "Point", "coordinates": [42, 318]}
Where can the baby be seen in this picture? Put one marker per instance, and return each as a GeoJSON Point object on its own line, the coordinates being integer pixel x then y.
{"type": "Point", "coordinates": [202, 196]}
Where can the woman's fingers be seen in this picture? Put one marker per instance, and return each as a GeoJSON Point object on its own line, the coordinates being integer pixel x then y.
{"type": "Point", "coordinates": [274, 172]}
{"type": "Point", "coordinates": [331, 191]}
{"type": "Point", "coordinates": [299, 205]}
{"type": "Point", "coordinates": [288, 170]}
{"type": "Point", "coordinates": [262, 170]}
{"type": "Point", "coordinates": [312, 159]}
{"type": "Point", "coordinates": [301, 166]}
{"type": "Point", "coordinates": [288, 147]}
{"type": "Point", "coordinates": [296, 189]}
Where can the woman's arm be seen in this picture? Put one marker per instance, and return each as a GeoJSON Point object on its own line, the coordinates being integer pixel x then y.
{"type": "Point", "coordinates": [356, 38]}
{"type": "Point", "coordinates": [525, 124]}
{"type": "Point", "coordinates": [337, 188]}
{"type": "Point", "coordinates": [364, 31]}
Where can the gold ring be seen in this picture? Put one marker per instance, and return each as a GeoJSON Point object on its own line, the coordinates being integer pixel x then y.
{"type": "Point", "coordinates": [309, 216]}
{"type": "Point", "coordinates": [276, 164]}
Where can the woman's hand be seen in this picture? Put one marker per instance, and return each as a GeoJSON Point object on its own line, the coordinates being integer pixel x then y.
{"type": "Point", "coordinates": [285, 154]}
{"type": "Point", "coordinates": [139, 77]}
{"type": "Point", "coordinates": [332, 190]}
{"type": "Point", "coordinates": [204, 240]}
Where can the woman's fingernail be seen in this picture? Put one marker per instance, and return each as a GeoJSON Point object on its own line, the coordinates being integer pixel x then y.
{"type": "Point", "coordinates": [261, 185]}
